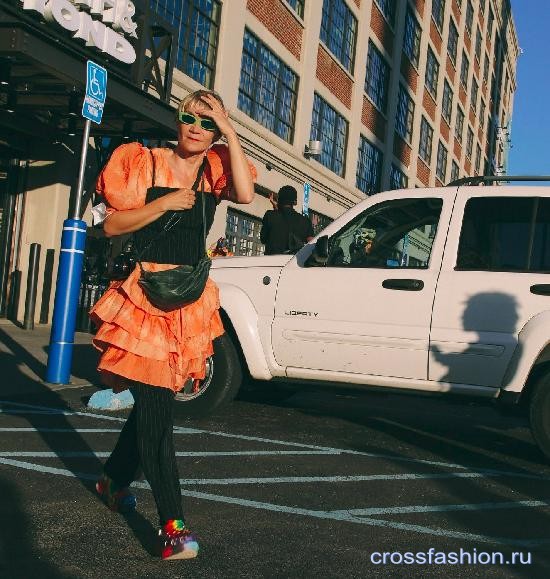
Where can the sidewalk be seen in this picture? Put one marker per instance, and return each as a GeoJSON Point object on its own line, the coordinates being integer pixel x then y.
{"type": "Point", "coordinates": [24, 356]}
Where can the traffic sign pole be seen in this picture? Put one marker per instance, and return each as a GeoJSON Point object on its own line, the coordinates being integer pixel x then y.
{"type": "Point", "coordinates": [73, 244]}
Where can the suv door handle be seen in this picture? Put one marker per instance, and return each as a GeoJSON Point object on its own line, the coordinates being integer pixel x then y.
{"type": "Point", "coordinates": [411, 285]}
{"type": "Point", "coordinates": [541, 289]}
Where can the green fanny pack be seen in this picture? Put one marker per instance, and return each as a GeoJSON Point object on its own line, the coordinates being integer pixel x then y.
{"type": "Point", "coordinates": [174, 288]}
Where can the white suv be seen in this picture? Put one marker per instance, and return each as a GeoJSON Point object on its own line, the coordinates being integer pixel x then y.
{"type": "Point", "coordinates": [443, 290]}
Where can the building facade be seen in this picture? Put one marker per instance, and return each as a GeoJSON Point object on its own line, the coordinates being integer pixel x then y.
{"type": "Point", "coordinates": [399, 93]}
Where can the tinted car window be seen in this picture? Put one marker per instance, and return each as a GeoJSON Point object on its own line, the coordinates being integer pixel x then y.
{"type": "Point", "coordinates": [540, 256]}
{"type": "Point", "coordinates": [505, 234]}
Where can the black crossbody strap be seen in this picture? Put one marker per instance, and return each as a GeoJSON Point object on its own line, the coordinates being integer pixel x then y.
{"type": "Point", "coordinates": [176, 215]}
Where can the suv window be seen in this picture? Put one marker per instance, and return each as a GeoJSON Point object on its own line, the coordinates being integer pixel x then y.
{"type": "Point", "coordinates": [505, 234]}
{"type": "Point", "coordinates": [392, 234]}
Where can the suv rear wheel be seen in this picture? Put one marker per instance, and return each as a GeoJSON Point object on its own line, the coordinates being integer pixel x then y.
{"type": "Point", "coordinates": [220, 385]}
{"type": "Point", "coordinates": [539, 413]}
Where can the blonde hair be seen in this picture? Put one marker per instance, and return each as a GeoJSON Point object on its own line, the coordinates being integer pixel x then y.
{"type": "Point", "coordinates": [196, 97]}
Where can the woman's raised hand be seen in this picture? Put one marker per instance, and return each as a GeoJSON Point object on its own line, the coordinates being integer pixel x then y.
{"type": "Point", "coordinates": [214, 110]}
{"type": "Point", "coordinates": [178, 200]}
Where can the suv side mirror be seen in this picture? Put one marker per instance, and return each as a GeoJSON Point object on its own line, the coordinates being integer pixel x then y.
{"type": "Point", "coordinates": [320, 252]}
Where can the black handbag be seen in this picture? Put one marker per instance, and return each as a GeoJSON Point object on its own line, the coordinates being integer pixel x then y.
{"type": "Point", "coordinates": [174, 288]}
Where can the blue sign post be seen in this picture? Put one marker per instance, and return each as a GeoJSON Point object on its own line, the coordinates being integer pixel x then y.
{"type": "Point", "coordinates": [73, 243]}
{"type": "Point", "coordinates": [305, 206]}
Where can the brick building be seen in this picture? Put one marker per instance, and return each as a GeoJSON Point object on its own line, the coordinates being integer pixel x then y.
{"type": "Point", "coordinates": [400, 93]}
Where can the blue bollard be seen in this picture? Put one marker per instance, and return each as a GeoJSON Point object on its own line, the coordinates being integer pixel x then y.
{"type": "Point", "coordinates": [71, 260]}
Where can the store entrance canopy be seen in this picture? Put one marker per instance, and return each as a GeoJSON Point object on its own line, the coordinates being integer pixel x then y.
{"type": "Point", "coordinates": [43, 74]}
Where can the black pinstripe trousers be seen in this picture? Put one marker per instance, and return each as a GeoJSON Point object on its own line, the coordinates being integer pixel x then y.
{"type": "Point", "coordinates": [146, 443]}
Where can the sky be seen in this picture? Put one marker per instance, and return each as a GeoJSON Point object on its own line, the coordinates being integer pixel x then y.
{"type": "Point", "coordinates": [530, 152]}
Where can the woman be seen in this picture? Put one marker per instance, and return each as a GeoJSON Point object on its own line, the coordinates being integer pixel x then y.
{"type": "Point", "coordinates": [151, 351]}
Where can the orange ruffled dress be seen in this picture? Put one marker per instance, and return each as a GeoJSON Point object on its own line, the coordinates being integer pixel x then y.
{"type": "Point", "coordinates": [138, 341]}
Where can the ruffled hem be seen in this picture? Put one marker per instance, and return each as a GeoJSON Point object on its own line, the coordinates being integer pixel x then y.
{"type": "Point", "coordinates": [140, 343]}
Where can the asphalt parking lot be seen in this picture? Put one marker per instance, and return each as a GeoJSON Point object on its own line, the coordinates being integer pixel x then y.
{"type": "Point", "coordinates": [322, 484]}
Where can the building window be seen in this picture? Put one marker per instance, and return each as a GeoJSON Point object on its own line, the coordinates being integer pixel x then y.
{"type": "Point", "coordinates": [482, 7]}
{"type": "Point", "coordinates": [490, 23]}
{"type": "Point", "coordinates": [478, 159]}
{"type": "Point", "coordinates": [332, 129]}
{"type": "Point", "coordinates": [441, 166]}
{"type": "Point", "coordinates": [378, 78]}
{"type": "Point", "coordinates": [432, 73]}
{"type": "Point", "coordinates": [387, 7]}
{"type": "Point", "coordinates": [475, 91]}
{"type": "Point", "coordinates": [411, 39]}
{"type": "Point", "coordinates": [243, 233]}
{"type": "Point", "coordinates": [398, 179]}
{"type": "Point", "coordinates": [452, 43]}
{"type": "Point", "coordinates": [425, 148]}
{"type": "Point", "coordinates": [318, 221]}
{"type": "Point", "coordinates": [369, 167]}
{"type": "Point", "coordinates": [464, 70]}
{"type": "Point", "coordinates": [268, 88]}
{"type": "Point", "coordinates": [404, 115]}
{"type": "Point", "coordinates": [482, 115]}
{"type": "Point", "coordinates": [197, 25]}
{"type": "Point", "coordinates": [469, 142]}
{"type": "Point", "coordinates": [447, 102]}
{"type": "Point", "coordinates": [455, 171]}
{"type": "Point", "coordinates": [298, 6]}
{"type": "Point", "coordinates": [438, 11]}
{"type": "Point", "coordinates": [486, 68]}
{"type": "Point", "coordinates": [339, 31]}
{"type": "Point", "coordinates": [478, 44]}
{"type": "Point", "coordinates": [459, 126]}
{"type": "Point", "coordinates": [469, 18]}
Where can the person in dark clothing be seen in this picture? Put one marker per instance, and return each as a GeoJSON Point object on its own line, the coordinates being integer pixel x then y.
{"type": "Point", "coordinates": [284, 230]}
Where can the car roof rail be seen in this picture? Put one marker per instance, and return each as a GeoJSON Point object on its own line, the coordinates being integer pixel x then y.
{"type": "Point", "coordinates": [479, 179]}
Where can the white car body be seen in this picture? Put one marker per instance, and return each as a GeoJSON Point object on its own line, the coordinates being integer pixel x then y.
{"type": "Point", "coordinates": [465, 331]}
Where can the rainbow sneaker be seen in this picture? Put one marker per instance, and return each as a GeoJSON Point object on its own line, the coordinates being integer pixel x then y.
{"type": "Point", "coordinates": [119, 500]}
{"type": "Point", "coordinates": [176, 541]}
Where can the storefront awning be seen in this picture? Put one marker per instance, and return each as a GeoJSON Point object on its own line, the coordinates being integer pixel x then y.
{"type": "Point", "coordinates": [46, 67]}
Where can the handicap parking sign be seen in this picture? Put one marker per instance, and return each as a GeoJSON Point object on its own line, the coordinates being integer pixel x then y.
{"type": "Point", "coordinates": [96, 92]}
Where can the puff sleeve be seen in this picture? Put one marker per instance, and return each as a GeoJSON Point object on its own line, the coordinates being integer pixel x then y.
{"type": "Point", "coordinates": [220, 169]}
{"type": "Point", "coordinates": [124, 180]}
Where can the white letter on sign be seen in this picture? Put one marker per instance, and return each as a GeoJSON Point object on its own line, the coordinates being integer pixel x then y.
{"type": "Point", "coordinates": [91, 31]}
{"type": "Point", "coordinates": [64, 13]}
{"type": "Point", "coordinates": [117, 46]}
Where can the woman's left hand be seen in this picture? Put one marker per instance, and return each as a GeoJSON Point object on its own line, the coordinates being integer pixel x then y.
{"type": "Point", "coordinates": [214, 110]}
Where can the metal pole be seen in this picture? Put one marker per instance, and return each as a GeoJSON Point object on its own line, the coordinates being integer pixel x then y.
{"type": "Point", "coordinates": [82, 169]}
{"type": "Point", "coordinates": [32, 283]}
{"type": "Point", "coordinates": [71, 260]}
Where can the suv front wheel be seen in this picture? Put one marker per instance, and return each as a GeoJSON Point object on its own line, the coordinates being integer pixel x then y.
{"type": "Point", "coordinates": [220, 385]}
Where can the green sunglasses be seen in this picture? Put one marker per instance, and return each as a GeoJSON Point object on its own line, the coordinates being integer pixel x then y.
{"type": "Point", "coordinates": [190, 119]}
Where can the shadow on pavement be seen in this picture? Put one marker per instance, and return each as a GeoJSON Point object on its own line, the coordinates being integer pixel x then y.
{"type": "Point", "coordinates": [64, 439]}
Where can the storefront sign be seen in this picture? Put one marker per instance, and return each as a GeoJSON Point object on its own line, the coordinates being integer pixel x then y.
{"type": "Point", "coordinates": [100, 23]}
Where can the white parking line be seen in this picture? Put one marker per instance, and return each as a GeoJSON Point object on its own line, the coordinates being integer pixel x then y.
{"type": "Point", "coordinates": [357, 516]}
{"type": "Point", "coordinates": [331, 515]}
{"type": "Point", "coordinates": [230, 453]}
{"type": "Point", "coordinates": [443, 508]}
